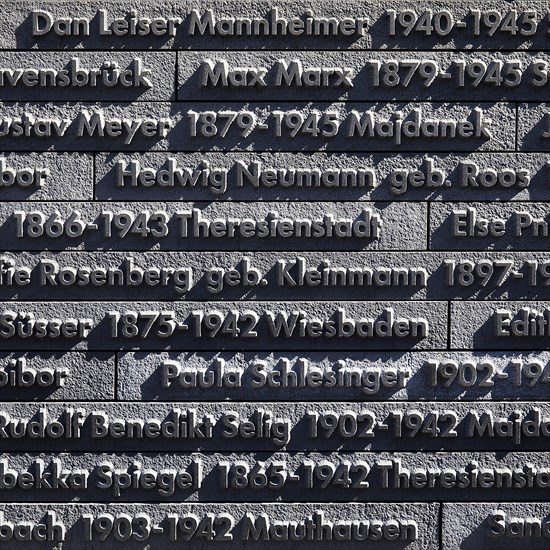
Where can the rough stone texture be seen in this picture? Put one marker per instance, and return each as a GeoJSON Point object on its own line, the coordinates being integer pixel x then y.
{"type": "Point", "coordinates": [460, 37]}
{"type": "Point", "coordinates": [532, 124]}
{"type": "Point", "coordinates": [272, 426]}
{"type": "Point", "coordinates": [175, 131]}
{"type": "Point", "coordinates": [372, 275]}
{"type": "Point", "coordinates": [498, 176]}
{"type": "Point", "coordinates": [391, 226]}
{"type": "Point", "coordinates": [211, 275]}
{"type": "Point", "coordinates": [401, 404]}
{"type": "Point", "coordinates": [524, 226]}
{"type": "Point", "coordinates": [424, 515]}
{"type": "Point", "coordinates": [161, 67]}
{"type": "Point", "coordinates": [209, 477]}
{"type": "Point", "coordinates": [469, 526]}
{"type": "Point", "coordinates": [97, 324]}
{"type": "Point", "coordinates": [59, 183]}
{"type": "Point", "coordinates": [89, 376]}
{"type": "Point", "coordinates": [473, 325]}
{"type": "Point", "coordinates": [376, 376]}
{"type": "Point", "coordinates": [366, 81]}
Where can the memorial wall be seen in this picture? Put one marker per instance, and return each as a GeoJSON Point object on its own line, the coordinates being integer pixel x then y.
{"type": "Point", "coordinates": [274, 275]}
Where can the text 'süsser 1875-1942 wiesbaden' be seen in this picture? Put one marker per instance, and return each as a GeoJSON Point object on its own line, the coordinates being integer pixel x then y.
{"type": "Point", "coordinates": [274, 275]}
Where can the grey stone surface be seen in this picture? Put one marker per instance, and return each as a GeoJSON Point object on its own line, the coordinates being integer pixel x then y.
{"type": "Point", "coordinates": [271, 426]}
{"type": "Point", "coordinates": [246, 275]}
{"type": "Point", "coordinates": [228, 275]}
{"type": "Point", "coordinates": [263, 477]}
{"type": "Point", "coordinates": [91, 76]}
{"type": "Point", "coordinates": [274, 310]}
{"type": "Point", "coordinates": [199, 226]}
{"type": "Point", "coordinates": [295, 75]}
{"type": "Point", "coordinates": [123, 126]}
{"type": "Point", "coordinates": [17, 26]}
{"type": "Point", "coordinates": [255, 526]}
{"type": "Point", "coordinates": [533, 121]}
{"type": "Point", "coordinates": [52, 375]}
{"type": "Point", "coordinates": [320, 176]}
{"type": "Point", "coordinates": [46, 176]}
{"type": "Point", "coordinates": [181, 38]}
{"type": "Point", "coordinates": [483, 226]}
{"type": "Point", "coordinates": [222, 325]}
{"type": "Point", "coordinates": [496, 524]}
{"type": "Point", "coordinates": [499, 325]}
{"type": "Point", "coordinates": [322, 376]}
